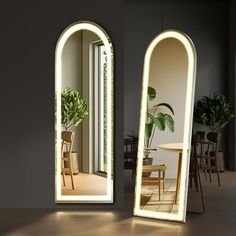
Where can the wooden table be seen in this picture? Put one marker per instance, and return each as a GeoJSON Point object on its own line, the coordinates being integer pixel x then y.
{"type": "Point", "coordinates": [175, 147]}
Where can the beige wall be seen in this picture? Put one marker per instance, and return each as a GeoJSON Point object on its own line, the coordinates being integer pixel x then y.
{"type": "Point", "coordinates": [72, 74]}
{"type": "Point", "coordinates": [168, 75]}
{"type": "Point", "coordinates": [76, 75]}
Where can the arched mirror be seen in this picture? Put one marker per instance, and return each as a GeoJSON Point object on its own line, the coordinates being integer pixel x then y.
{"type": "Point", "coordinates": [84, 115]}
{"type": "Point", "coordinates": [165, 127]}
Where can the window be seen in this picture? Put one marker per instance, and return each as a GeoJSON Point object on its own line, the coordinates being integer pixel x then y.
{"type": "Point", "coordinates": [99, 124]}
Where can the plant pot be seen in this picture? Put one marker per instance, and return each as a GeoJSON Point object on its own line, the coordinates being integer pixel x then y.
{"type": "Point", "coordinates": [147, 161]}
{"type": "Point", "coordinates": [75, 162]}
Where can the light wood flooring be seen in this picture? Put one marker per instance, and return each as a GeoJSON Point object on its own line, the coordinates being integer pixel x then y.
{"type": "Point", "coordinates": [150, 198]}
{"type": "Point", "coordinates": [85, 184]}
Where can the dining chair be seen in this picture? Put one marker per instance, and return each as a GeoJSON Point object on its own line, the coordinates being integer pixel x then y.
{"type": "Point", "coordinates": [193, 178]}
{"type": "Point", "coordinates": [210, 155]}
{"type": "Point", "coordinates": [194, 173]}
{"type": "Point", "coordinates": [130, 154]}
{"type": "Point", "coordinates": [200, 148]}
{"type": "Point", "coordinates": [155, 181]}
{"type": "Point", "coordinates": [66, 149]}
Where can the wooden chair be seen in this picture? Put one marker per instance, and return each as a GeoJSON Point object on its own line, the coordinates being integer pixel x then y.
{"type": "Point", "coordinates": [200, 141]}
{"type": "Point", "coordinates": [155, 181]}
{"type": "Point", "coordinates": [66, 149]}
{"type": "Point", "coordinates": [210, 155]}
{"type": "Point", "coordinates": [193, 163]}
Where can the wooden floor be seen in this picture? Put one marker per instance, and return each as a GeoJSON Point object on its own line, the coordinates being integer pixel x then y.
{"type": "Point", "coordinates": [85, 184]}
{"type": "Point", "coordinates": [150, 198]}
{"type": "Point", "coordinates": [219, 219]}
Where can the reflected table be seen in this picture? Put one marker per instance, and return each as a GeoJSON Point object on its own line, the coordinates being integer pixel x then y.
{"type": "Point", "coordinates": [175, 147]}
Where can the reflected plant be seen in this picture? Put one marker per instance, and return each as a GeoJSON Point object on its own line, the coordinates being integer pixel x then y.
{"type": "Point", "coordinates": [73, 109]}
{"type": "Point", "coordinates": [156, 120]}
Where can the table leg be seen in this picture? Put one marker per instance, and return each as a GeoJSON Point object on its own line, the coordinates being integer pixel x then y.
{"type": "Point", "coordinates": [178, 177]}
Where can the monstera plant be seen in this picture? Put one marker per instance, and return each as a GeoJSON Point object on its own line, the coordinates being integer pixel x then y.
{"type": "Point", "coordinates": [213, 111]}
{"type": "Point", "coordinates": [73, 109]}
{"type": "Point", "coordinates": [155, 119]}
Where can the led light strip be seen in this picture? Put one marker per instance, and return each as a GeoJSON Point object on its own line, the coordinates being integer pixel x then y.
{"type": "Point", "coordinates": [186, 41]}
{"type": "Point", "coordinates": [108, 198]}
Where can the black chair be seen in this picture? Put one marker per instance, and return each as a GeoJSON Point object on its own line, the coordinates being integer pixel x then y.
{"type": "Point", "coordinates": [130, 154]}
{"type": "Point", "coordinates": [210, 156]}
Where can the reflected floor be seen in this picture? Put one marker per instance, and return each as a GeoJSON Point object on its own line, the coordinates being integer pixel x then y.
{"type": "Point", "coordinates": [150, 198]}
{"type": "Point", "coordinates": [85, 184]}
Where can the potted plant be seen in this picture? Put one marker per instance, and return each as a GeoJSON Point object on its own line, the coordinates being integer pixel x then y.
{"type": "Point", "coordinates": [73, 111]}
{"type": "Point", "coordinates": [155, 120]}
{"type": "Point", "coordinates": [214, 112]}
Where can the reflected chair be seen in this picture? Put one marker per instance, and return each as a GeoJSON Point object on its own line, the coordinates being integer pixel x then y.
{"type": "Point", "coordinates": [155, 181]}
{"type": "Point", "coordinates": [66, 149]}
{"type": "Point", "coordinates": [210, 156]}
{"type": "Point", "coordinates": [130, 154]}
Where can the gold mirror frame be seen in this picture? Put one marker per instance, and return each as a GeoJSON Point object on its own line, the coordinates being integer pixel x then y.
{"type": "Point", "coordinates": [108, 198]}
{"type": "Point", "coordinates": [191, 74]}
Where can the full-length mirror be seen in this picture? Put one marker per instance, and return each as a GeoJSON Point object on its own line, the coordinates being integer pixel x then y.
{"type": "Point", "coordinates": [165, 127]}
{"type": "Point", "coordinates": [84, 115]}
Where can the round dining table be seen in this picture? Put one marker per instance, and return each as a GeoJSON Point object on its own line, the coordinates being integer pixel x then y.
{"type": "Point", "coordinates": [178, 148]}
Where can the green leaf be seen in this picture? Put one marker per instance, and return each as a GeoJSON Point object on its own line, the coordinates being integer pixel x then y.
{"type": "Point", "coordinates": [159, 121]}
{"type": "Point", "coordinates": [170, 122]}
{"type": "Point", "coordinates": [165, 105]}
{"type": "Point", "coordinates": [151, 93]}
{"type": "Point", "coordinates": [73, 107]}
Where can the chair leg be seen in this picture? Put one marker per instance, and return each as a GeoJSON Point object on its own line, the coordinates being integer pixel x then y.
{"type": "Point", "coordinates": [195, 176]}
{"type": "Point", "coordinates": [63, 177]}
{"type": "Point", "coordinates": [191, 176]}
{"type": "Point", "coordinates": [217, 171]}
{"type": "Point", "coordinates": [164, 181]}
{"type": "Point", "coordinates": [63, 174]}
{"type": "Point", "coordinates": [71, 172]}
{"type": "Point", "coordinates": [209, 169]}
{"type": "Point", "coordinates": [218, 177]}
{"type": "Point", "coordinates": [159, 187]}
{"type": "Point", "coordinates": [205, 173]}
{"type": "Point", "coordinates": [210, 176]}
{"type": "Point", "coordinates": [72, 181]}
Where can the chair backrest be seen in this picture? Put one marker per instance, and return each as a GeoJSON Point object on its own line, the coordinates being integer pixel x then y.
{"type": "Point", "coordinates": [200, 135]}
{"type": "Point", "coordinates": [200, 138]}
{"type": "Point", "coordinates": [214, 139]}
{"type": "Point", "coordinates": [67, 138]}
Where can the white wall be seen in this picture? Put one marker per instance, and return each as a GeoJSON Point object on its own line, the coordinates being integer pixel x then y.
{"type": "Point", "coordinates": [168, 75]}
{"type": "Point", "coordinates": [88, 38]}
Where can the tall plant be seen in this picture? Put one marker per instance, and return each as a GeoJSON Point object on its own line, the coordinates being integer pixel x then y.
{"type": "Point", "coordinates": [156, 119]}
{"type": "Point", "coordinates": [73, 109]}
{"type": "Point", "coordinates": [213, 111]}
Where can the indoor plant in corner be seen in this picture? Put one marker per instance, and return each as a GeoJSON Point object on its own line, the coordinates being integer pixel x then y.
{"type": "Point", "coordinates": [155, 120]}
{"type": "Point", "coordinates": [73, 111]}
{"type": "Point", "coordinates": [214, 112]}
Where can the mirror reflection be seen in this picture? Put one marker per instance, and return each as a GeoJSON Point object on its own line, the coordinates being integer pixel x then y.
{"type": "Point", "coordinates": [85, 72]}
{"type": "Point", "coordinates": [164, 136]}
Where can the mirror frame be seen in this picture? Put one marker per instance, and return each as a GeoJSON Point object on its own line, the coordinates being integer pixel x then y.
{"type": "Point", "coordinates": [96, 29]}
{"type": "Point", "coordinates": [191, 74]}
